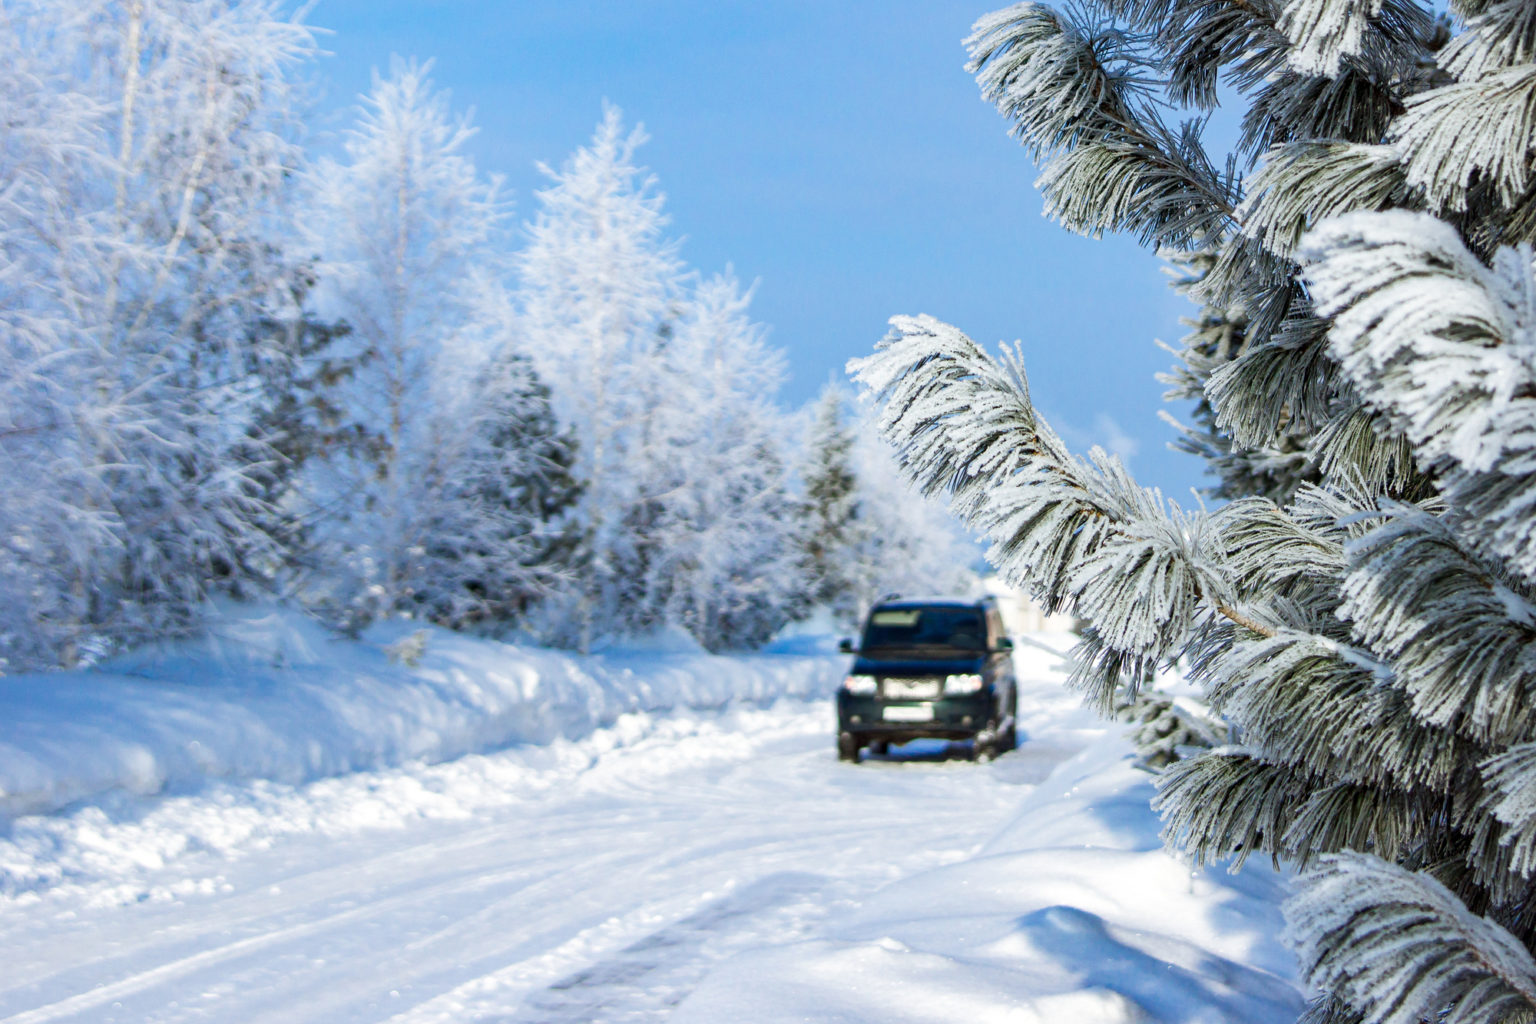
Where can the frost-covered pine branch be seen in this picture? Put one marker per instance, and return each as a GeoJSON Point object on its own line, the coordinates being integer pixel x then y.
{"type": "Point", "coordinates": [1080, 533]}
{"type": "Point", "coordinates": [1444, 346]}
{"type": "Point", "coordinates": [1073, 93]}
{"type": "Point", "coordinates": [1361, 608]}
{"type": "Point", "coordinates": [1402, 948]}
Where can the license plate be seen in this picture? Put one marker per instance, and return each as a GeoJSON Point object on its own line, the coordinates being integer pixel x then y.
{"type": "Point", "coordinates": [900, 713]}
{"type": "Point", "coordinates": [912, 689]}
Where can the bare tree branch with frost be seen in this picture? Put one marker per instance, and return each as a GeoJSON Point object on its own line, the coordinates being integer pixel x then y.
{"type": "Point", "coordinates": [147, 159]}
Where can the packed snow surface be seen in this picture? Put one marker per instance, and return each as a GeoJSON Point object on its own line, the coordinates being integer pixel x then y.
{"type": "Point", "coordinates": [698, 863]}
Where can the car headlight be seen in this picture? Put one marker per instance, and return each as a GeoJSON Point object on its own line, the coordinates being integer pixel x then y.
{"type": "Point", "coordinates": [962, 684]}
{"type": "Point", "coordinates": [860, 686]}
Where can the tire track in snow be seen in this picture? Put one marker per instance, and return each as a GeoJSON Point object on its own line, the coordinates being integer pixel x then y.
{"type": "Point", "coordinates": [647, 978]}
{"type": "Point", "coordinates": [625, 874]}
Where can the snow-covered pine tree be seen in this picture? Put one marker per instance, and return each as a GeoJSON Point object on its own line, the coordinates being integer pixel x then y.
{"type": "Point", "coordinates": [406, 232]}
{"type": "Point", "coordinates": [502, 533]}
{"type": "Point", "coordinates": [600, 288]}
{"type": "Point", "coordinates": [829, 508]}
{"type": "Point", "coordinates": [1362, 609]}
{"type": "Point", "coordinates": [147, 150]}
{"type": "Point", "coordinates": [297, 358]}
{"type": "Point", "coordinates": [862, 532]}
{"type": "Point", "coordinates": [721, 562]}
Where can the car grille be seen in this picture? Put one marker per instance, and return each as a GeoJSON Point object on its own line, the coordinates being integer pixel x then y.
{"type": "Point", "coordinates": [911, 689]}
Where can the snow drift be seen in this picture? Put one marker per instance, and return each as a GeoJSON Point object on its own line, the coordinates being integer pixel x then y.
{"type": "Point", "coordinates": [269, 694]}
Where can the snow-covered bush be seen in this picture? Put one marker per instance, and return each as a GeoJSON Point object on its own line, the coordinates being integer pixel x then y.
{"type": "Point", "coordinates": [1364, 608]}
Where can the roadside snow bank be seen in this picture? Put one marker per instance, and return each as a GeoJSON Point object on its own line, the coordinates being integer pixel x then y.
{"type": "Point", "coordinates": [125, 850]}
{"type": "Point", "coordinates": [271, 695]}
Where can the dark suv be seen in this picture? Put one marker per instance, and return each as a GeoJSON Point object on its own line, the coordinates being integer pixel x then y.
{"type": "Point", "coordinates": [939, 668]}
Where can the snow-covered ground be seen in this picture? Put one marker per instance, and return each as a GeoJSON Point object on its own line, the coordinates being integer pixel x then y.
{"type": "Point", "coordinates": [271, 695]}
{"type": "Point", "coordinates": [685, 858]}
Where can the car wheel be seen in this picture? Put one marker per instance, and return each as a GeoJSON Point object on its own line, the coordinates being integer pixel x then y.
{"type": "Point", "coordinates": [984, 744]}
{"type": "Point", "coordinates": [881, 748]}
{"type": "Point", "coordinates": [848, 747]}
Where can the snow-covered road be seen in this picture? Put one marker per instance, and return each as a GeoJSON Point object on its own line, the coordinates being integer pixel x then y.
{"type": "Point", "coordinates": [606, 879]}
{"type": "Point", "coordinates": [612, 884]}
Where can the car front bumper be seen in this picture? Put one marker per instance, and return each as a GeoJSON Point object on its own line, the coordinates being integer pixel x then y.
{"type": "Point", "coordinates": [949, 718]}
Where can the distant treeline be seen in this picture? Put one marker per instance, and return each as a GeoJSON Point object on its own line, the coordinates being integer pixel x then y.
{"type": "Point", "coordinates": [231, 367]}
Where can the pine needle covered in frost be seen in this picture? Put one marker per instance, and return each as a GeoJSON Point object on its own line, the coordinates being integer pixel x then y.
{"type": "Point", "coordinates": [1072, 94]}
{"type": "Point", "coordinates": [1472, 131]}
{"type": "Point", "coordinates": [1445, 347]}
{"type": "Point", "coordinates": [1502, 36]}
{"type": "Point", "coordinates": [1400, 946]}
{"type": "Point", "coordinates": [1228, 802]}
{"type": "Point", "coordinates": [1462, 641]}
{"type": "Point", "coordinates": [1324, 32]}
{"type": "Point", "coordinates": [1302, 183]}
{"type": "Point", "coordinates": [1511, 781]}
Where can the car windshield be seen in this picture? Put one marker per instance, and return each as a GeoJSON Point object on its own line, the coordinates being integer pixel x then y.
{"type": "Point", "coordinates": [956, 631]}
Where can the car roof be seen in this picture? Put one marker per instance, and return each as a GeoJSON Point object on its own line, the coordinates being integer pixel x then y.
{"type": "Point", "coordinates": [936, 602]}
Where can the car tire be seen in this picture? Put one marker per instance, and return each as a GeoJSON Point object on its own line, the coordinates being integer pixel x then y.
{"type": "Point", "coordinates": [1007, 739]}
{"type": "Point", "coordinates": [848, 747]}
{"type": "Point", "coordinates": [880, 748]}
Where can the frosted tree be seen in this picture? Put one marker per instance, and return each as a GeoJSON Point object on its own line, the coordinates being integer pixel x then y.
{"type": "Point", "coordinates": [600, 288]}
{"type": "Point", "coordinates": [721, 561]}
{"type": "Point", "coordinates": [405, 229]}
{"type": "Point", "coordinates": [829, 524]}
{"type": "Point", "coordinates": [862, 531]}
{"type": "Point", "coordinates": [500, 533]}
{"type": "Point", "coordinates": [147, 154]}
{"type": "Point", "coordinates": [1362, 609]}
{"type": "Point", "coordinates": [906, 543]}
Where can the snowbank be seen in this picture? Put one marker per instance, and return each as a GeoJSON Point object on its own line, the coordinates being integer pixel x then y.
{"type": "Point", "coordinates": [272, 695]}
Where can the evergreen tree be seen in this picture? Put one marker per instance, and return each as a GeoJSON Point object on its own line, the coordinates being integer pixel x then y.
{"type": "Point", "coordinates": [297, 417]}
{"type": "Point", "coordinates": [829, 512]}
{"type": "Point", "coordinates": [1364, 609]}
{"type": "Point", "coordinates": [501, 535]}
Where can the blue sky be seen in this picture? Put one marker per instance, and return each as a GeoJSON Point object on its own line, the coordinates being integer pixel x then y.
{"type": "Point", "coordinates": [836, 152]}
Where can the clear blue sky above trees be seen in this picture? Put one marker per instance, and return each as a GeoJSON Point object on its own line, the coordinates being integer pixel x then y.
{"type": "Point", "coordinates": [837, 152]}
